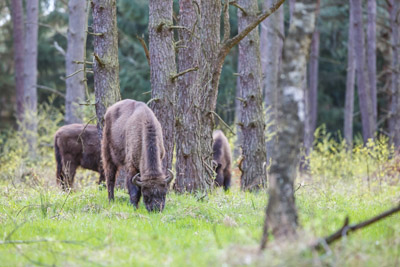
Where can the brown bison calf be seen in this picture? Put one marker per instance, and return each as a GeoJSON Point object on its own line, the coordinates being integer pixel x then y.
{"type": "Point", "coordinates": [76, 146]}
{"type": "Point", "coordinates": [222, 159]}
{"type": "Point", "coordinates": [133, 140]}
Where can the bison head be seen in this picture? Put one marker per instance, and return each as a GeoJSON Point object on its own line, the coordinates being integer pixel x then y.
{"type": "Point", "coordinates": [153, 191]}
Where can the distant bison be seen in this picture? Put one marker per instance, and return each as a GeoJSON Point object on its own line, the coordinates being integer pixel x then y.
{"type": "Point", "coordinates": [76, 146]}
{"type": "Point", "coordinates": [222, 159]}
{"type": "Point", "coordinates": [132, 139]}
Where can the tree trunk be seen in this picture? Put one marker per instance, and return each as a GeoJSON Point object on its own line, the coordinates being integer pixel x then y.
{"type": "Point", "coordinates": [162, 68]}
{"type": "Point", "coordinates": [254, 156]}
{"type": "Point", "coordinates": [311, 103]}
{"type": "Point", "coordinates": [281, 214]}
{"type": "Point", "coordinates": [75, 89]}
{"type": "Point", "coordinates": [271, 44]}
{"type": "Point", "coordinates": [30, 73]}
{"type": "Point", "coordinates": [105, 67]}
{"type": "Point", "coordinates": [350, 79]}
{"type": "Point", "coordinates": [364, 92]}
{"type": "Point", "coordinates": [394, 119]}
{"type": "Point", "coordinates": [371, 52]}
{"type": "Point", "coordinates": [18, 35]}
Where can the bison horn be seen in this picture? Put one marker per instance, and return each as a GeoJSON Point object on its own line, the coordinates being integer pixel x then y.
{"type": "Point", "coordinates": [136, 181]}
{"type": "Point", "coordinates": [170, 177]}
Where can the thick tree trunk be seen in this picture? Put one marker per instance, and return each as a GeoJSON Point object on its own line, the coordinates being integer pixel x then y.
{"type": "Point", "coordinates": [18, 35]}
{"type": "Point", "coordinates": [350, 80]}
{"type": "Point", "coordinates": [75, 89]}
{"type": "Point", "coordinates": [371, 52]}
{"type": "Point", "coordinates": [105, 67]}
{"type": "Point", "coordinates": [162, 69]}
{"type": "Point", "coordinates": [311, 103]}
{"type": "Point", "coordinates": [394, 119]}
{"type": "Point", "coordinates": [271, 44]}
{"type": "Point", "coordinates": [364, 92]}
{"type": "Point", "coordinates": [281, 214]}
{"type": "Point", "coordinates": [254, 158]}
{"type": "Point", "coordinates": [30, 73]}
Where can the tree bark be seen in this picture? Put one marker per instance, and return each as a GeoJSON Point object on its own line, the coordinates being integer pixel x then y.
{"type": "Point", "coordinates": [281, 214]}
{"type": "Point", "coordinates": [364, 92]}
{"type": "Point", "coordinates": [311, 97]}
{"type": "Point", "coordinates": [162, 69]}
{"type": "Point", "coordinates": [394, 119]}
{"type": "Point", "coordinates": [75, 89]}
{"type": "Point", "coordinates": [105, 67]}
{"type": "Point", "coordinates": [271, 44]}
{"type": "Point", "coordinates": [371, 52]}
{"type": "Point", "coordinates": [18, 35]}
{"type": "Point", "coordinates": [30, 73]}
{"type": "Point", "coordinates": [254, 156]}
{"type": "Point", "coordinates": [350, 80]}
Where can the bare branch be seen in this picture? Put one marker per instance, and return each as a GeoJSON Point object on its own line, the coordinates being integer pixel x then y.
{"type": "Point", "coordinates": [146, 51]}
{"type": "Point", "coordinates": [76, 72]}
{"type": "Point", "coordinates": [346, 228]}
{"type": "Point", "coordinates": [95, 33]}
{"type": "Point", "coordinates": [222, 121]}
{"type": "Point", "coordinates": [183, 72]}
{"type": "Point", "coordinates": [98, 59]}
{"type": "Point", "coordinates": [54, 91]}
{"type": "Point", "coordinates": [235, 4]}
{"type": "Point", "coordinates": [228, 44]}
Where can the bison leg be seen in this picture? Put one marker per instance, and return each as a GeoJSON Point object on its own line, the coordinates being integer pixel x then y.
{"type": "Point", "coordinates": [102, 177]}
{"type": "Point", "coordinates": [219, 180]}
{"type": "Point", "coordinates": [110, 173]}
{"type": "Point", "coordinates": [227, 179]}
{"type": "Point", "coordinates": [134, 191]}
{"type": "Point", "coordinates": [67, 175]}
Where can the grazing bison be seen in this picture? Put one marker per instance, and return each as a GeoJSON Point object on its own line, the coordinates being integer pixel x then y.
{"type": "Point", "coordinates": [132, 139]}
{"type": "Point", "coordinates": [222, 159]}
{"type": "Point", "coordinates": [76, 146]}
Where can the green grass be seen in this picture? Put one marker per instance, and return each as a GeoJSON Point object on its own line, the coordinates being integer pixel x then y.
{"type": "Point", "coordinates": [83, 228]}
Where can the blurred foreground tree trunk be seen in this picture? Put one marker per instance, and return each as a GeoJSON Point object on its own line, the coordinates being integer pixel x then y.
{"type": "Point", "coordinates": [271, 43]}
{"type": "Point", "coordinates": [199, 119]}
{"type": "Point", "coordinates": [364, 91]}
{"type": "Point", "coordinates": [105, 67]}
{"type": "Point", "coordinates": [162, 69]}
{"type": "Point", "coordinates": [281, 214]}
{"type": "Point", "coordinates": [350, 80]}
{"type": "Point", "coordinates": [311, 97]}
{"type": "Point", "coordinates": [371, 52]}
{"type": "Point", "coordinates": [394, 119]}
{"type": "Point", "coordinates": [30, 74]}
{"type": "Point", "coordinates": [18, 36]}
{"type": "Point", "coordinates": [252, 123]}
{"type": "Point", "coordinates": [75, 89]}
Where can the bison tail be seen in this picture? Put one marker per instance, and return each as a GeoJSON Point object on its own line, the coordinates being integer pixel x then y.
{"type": "Point", "coordinates": [58, 158]}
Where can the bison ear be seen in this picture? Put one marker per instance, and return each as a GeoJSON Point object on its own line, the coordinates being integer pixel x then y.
{"type": "Point", "coordinates": [135, 180]}
{"type": "Point", "coordinates": [169, 177]}
{"type": "Point", "coordinates": [214, 164]}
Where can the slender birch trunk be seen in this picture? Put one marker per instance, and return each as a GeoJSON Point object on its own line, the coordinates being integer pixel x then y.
{"type": "Point", "coordinates": [371, 52]}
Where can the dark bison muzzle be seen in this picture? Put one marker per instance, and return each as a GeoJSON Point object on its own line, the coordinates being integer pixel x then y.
{"type": "Point", "coordinates": [133, 140]}
{"type": "Point", "coordinates": [76, 146]}
{"type": "Point", "coordinates": [222, 159]}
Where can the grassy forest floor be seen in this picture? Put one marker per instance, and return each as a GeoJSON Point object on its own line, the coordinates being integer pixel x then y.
{"type": "Point", "coordinates": [48, 227]}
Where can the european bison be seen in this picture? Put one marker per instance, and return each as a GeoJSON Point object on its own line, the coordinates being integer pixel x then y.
{"type": "Point", "coordinates": [132, 139]}
{"type": "Point", "coordinates": [222, 159]}
{"type": "Point", "coordinates": [76, 146]}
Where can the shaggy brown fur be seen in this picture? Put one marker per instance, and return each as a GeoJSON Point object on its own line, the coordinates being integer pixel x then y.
{"type": "Point", "coordinates": [222, 159]}
{"type": "Point", "coordinates": [76, 147]}
{"type": "Point", "coordinates": [133, 140]}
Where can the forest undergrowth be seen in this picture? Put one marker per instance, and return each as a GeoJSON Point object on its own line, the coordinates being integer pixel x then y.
{"type": "Point", "coordinates": [41, 225]}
